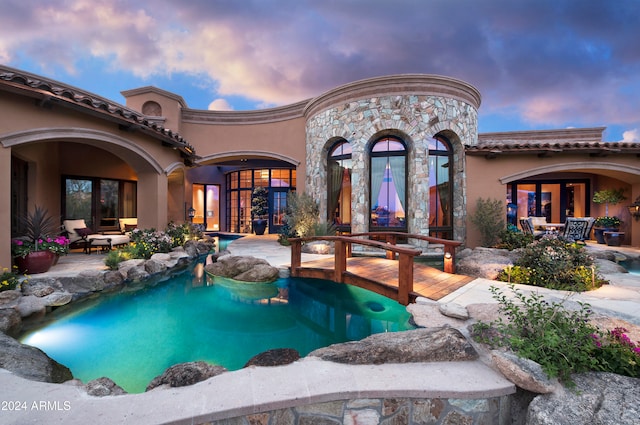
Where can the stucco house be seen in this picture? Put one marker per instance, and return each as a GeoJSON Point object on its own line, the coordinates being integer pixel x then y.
{"type": "Point", "coordinates": [396, 153]}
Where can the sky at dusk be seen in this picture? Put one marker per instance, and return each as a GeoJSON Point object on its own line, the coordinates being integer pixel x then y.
{"type": "Point", "coordinates": [542, 64]}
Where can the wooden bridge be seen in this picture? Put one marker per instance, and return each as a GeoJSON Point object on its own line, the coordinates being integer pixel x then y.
{"type": "Point", "coordinates": [397, 276]}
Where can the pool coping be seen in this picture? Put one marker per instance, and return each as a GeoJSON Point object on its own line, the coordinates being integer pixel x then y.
{"type": "Point", "coordinates": [250, 390]}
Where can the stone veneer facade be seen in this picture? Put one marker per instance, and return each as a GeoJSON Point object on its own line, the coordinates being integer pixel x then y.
{"type": "Point", "coordinates": [413, 108]}
{"type": "Point", "coordinates": [387, 411]}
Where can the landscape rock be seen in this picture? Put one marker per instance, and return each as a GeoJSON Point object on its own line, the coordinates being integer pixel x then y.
{"type": "Point", "coordinates": [454, 310]}
{"type": "Point", "coordinates": [419, 345]}
{"type": "Point", "coordinates": [10, 321]}
{"type": "Point", "coordinates": [83, 284]}
{"type": "Point", "coordinates": [39, 288]}
{"type": "Point", "coordinates": [31, 305]}
{"type": "Point", "coordinates": [609, 267]}
{"type": "Point", "coordinates": [524, 373]}
{"type": "Point", "coordinates": [103, 387]}
{"type": "Point", "coordinates": [598, 398]}
{"type": "Point", "coordinates": [57, 299]}
{"type": "Point", "coordinates": [155, 266]}
{"type": "Point", "coordinates": [484, 262]}
{"type": "Point", "coordinates": [184, 374]}
{"type": "Point", "coordinates": [30, 362]}
{"type": "Point", "coordinates": [243, 268]}
{"type": "Point", "coordinates": [10, 298]}
{"type": "Point", "coordinates": [275, 357]}
{"type": "Point", "coordinates": [137, 274]}
{"type": "Point", "coordinates": [429, 316]}
{"type": "Point", "coordinates": [259, 273]}
{"type": "Point", "coordinates": [318, 247]}
{"type": "Point", "coordinates": [113, 278]}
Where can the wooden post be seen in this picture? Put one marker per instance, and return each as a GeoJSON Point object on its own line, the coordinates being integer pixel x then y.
{"type": "Point", "coordinates": [405, 278]}
{"type": "Point", "coordinates": [340, 260]}
{"type": "Point", "coordinates": [296, 257]}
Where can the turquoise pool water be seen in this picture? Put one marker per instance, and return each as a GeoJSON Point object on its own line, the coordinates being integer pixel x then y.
{"type": "Point", "coordinates": [133, 336]}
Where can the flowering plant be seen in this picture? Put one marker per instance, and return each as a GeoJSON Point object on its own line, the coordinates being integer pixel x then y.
{"type": "Point", "coordinates": [617, 353]}
{"type": "Point", "coordinates": [58, 245]}
{"type": "Point", "coordinates": [37, 228]}
{"type": "Point", "coordinates": [8, 279]}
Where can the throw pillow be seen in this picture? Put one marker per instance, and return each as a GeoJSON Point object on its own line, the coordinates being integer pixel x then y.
{"type": "Point", "coordinates": [83, 233]}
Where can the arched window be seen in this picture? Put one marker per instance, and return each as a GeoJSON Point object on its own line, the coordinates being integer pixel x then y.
{"type": "Point", "coordinates": [388, 185]}
{"type": "Point", "coordinates": [440, 188]}
{"type": "Point", "coordinates": [339, 185]}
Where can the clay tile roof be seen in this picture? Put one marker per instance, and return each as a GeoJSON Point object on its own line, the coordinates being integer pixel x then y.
{"type": "Point", "coordinates": [549, 142]}
{"type": "Point", "coordinates": [53, 92]}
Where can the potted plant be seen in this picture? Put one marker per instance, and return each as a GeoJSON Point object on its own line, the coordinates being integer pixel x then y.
{"type": "Point", "coordinates": [259, 209]}
{"type": "Point", "coordinates": [36, 250]}
{"type": "Point", "coordinates": [607, 223]}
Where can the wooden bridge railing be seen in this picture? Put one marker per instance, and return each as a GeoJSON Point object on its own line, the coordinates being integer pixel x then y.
{"type": "Point", "coordinates": [343, 250]}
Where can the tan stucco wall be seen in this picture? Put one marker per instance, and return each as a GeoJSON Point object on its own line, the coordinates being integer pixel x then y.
{"type": "Point", "coordinates": [39, 135]}
{"type": "Point", "coordinates": [487, 178]}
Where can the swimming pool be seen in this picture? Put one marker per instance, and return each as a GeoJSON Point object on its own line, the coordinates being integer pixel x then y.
{"type": "Point", "coordinates": [134, 335]}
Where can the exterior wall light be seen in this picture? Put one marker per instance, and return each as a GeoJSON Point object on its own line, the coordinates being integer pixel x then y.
{"type": "Point", "coordinates": [634, 209]}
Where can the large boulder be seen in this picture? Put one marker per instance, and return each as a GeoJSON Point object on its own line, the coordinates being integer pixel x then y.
{"type": "Point", "coordinates": [184, 374]}
{"type": "Point", "coordinates": [524, 373]}
{"type": "Point", "coordinates": [30, 362]}
{"type": "Point", "coordinates": [598, 398]}
{"type": "Point", "coordinates": [419, 345]}
{"type": "Point", "coordinates": [484, 262]}
{"type": "Point", "coordinates": [103, 387]}
{"type": "Point", "coordinates": [274, 357]}
{"type": "Point", "coordinates": [10, 321]}
{"type": "Point", "coordinates": [243, 268]}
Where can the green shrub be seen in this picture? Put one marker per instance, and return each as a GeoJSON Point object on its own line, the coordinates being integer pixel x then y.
{"type": "Point", "coordinates": [324, 229]}
{"type": "Point", "coordinates": [489, 219]}
{"type": "Point", "coordinates": [553, 263]}
{"type": "Point", "coordinates": [302, 214]}
{"type": "Point", "coordinates": [512, 238]}
{"type": "Point", "coordinates": [562, 341]}
{"type": "Point", "coordinates": [146, 242]}
{"type": "Point", "coordinates": [115, 257]}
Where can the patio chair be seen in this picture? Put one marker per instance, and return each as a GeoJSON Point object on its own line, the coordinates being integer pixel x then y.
{"type": "Point", "coordinates": [79, 234]}
{"type": "Point", "coordinates": [526, 223]}
{"type": "Point", "coordinates": [578, 229]}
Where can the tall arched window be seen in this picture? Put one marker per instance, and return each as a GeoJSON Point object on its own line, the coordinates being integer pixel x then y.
{"type": "Point", "coordinates": [388, 185]}
{"type": "Point", "coordinates": [440, 188]}
{"type": "Point", "coordinates": [339, 187]}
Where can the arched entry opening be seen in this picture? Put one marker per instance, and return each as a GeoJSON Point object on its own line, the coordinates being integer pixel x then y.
{"type": "Point", "coordinates": [222, 186]}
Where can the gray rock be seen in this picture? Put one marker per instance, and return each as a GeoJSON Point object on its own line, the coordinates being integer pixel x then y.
{"type": "Point", "coordinates": [102, 387]}
{"type": "Point", "coordinates": [125, 266]}
{"type": "Point", "coordinates": [318, 247]}
{"type": "Point", "coordinates": [598, 398]}
{"type": "Point", "coordinates": [113, 278]}
{"type": "Point", "coordinates": [57, 299]}
{"type": "Point", "coordinates": [30, 362]}
{"type": "Point", "coordinates": [454, 310]}
{"type": "Point", "coordinates": [84, 283]}
{"type": "Point", "coordinates": [154, 266]}
{"type": "Point", "coordinates": [484, 262]}
{"type": "Point", "coordinates": [10, 299]}
{"type": "Point", "coordinates": [275, 357]}
{"type": "Point", "coordinates": [243, 268]}
{"type": "Point", "coordinates": [184, 374]}
{"type": "Point", "coordinates": [524, 373]}
{"type": "Point", "coordinates": [429, 316]}
{"type": "Point", "coordinates": [31, 305]}
{"type": "Point", "coordinates": [419, 345]}
{"type": "Point", "coordinates": [205, 247]}
{"type": "Point", "coordinates": [191, 248]}
{"type": "Point", "coordinates": [39, 288]}
{"type": "Point", "coordinates": [609, 267]}
{"type": "Point", "coordinates": [10, 321]}
{"type": "Point", "coordinates": [259, 273]}
{"type": "Point", "coordinates": [137, 274]}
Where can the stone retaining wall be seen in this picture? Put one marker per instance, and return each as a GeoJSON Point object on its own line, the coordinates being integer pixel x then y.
{"type": "Point", "coordinates": [388, 411]}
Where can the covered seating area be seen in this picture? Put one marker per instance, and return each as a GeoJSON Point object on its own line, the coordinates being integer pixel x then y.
{"type": "Point", "coordinates": [79, 234]}
{"type": "Point", "coordinates": [574, 228]}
